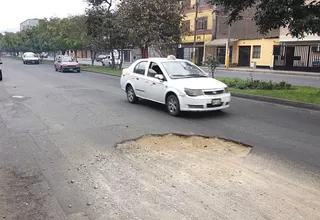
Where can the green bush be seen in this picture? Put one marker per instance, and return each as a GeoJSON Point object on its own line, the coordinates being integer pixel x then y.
{"type": "Point", "coordinates": [256, 84]}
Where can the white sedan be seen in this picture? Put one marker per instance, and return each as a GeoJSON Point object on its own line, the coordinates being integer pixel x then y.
{"type": "Point", "coordinates": [30, 57]}
{"type": "Point", "coordinates": [177, 83]}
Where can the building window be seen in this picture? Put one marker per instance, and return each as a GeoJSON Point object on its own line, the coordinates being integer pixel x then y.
{"type": "Point", "coordinates": [202, 23]}
{"type": "Point", "coordinates": [256, 52]}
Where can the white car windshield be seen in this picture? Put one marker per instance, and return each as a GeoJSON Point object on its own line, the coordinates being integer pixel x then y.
{"type": "Point", "coordinates": [67, 59]}
{"type": "Point", "coordinates": [182, 69]}
{"type": "Point", "coordinates": [30, 55]}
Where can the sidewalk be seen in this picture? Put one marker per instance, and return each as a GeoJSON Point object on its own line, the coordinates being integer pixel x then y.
{"type": "Point", "coordinates": [257, 70]}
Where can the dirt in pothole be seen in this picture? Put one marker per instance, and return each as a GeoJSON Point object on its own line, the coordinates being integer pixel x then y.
{"type": "Point", "coordinates": [211, 178]}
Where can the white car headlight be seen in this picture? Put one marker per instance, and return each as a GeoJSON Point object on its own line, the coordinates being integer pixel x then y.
{"type": "Point", "coordinates": [226, 90]}
{"type": "Point", "coordinates": [193, 92]}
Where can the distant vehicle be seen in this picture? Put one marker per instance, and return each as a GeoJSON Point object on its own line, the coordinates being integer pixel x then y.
{"type": "Point", "coordinates": [108, 61]}
{"type": "Point", "coordinates": [177, 83]}
{"type": "Point", "coordinates": [66, 64]}
{"type": "Point", "coordinates": [101, 57]}
{"type": "Point", "coordinates": [0, 70]}
{"type": "Point", "coordinates": [30, 58]}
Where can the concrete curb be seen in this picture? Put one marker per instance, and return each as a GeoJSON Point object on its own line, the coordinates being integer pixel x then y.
{"type": "Point", "coordinates": [278, 101]}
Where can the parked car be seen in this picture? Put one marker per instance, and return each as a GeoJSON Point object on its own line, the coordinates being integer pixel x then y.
{"type": "Point", "coordinates": [0, 70]}
{"type": "Point", "coordinates": [108, 61]}
{"type": "Point", "coordinates": [66, 63]}
{"type": "Point", "coordinates": [177, 83]}
{"type": "Point", "coordinates": [100, 58]}
{"type": "Point", "coordinates": [30, 58]}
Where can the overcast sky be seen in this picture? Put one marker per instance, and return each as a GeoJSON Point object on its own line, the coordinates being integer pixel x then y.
{"type": "Point", "coordinates": [13, 12]}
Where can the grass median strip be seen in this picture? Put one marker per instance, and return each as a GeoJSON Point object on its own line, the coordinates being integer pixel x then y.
{"type": "Point", "coordinates": [288, 92]}
{"type": "Point", "coordinates": [102, 70]}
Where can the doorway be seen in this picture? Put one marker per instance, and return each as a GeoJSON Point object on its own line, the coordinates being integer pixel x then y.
{"type": "Point", "coordinates": [221, 54]}
{"type": "Point", "coordinates": [244, 55]}
{"type": "Point", "coordinates": [199, 55]}
{"type": "Point", "coordinates": [289, 56]}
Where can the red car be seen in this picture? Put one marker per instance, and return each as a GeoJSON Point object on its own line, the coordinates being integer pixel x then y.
{"type": "Point", "coordinates": [66, 64]}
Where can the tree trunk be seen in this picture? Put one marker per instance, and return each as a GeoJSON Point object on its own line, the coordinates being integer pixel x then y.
{"type": "Point", "coordinates": [75, 54]}
{"type": "Point", "coordinates": [145, 51]}
{"type": "Point", "coordinates": [121, 57]}
{"type": "Point", "coordinates": [112, 57]}
{"type": "Point", "coordinates": [93, 55]}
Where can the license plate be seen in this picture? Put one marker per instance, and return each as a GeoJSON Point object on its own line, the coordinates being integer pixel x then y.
{"type": "Point", "coordinates": [71, 69]}
{"type": "Point", "coordinates": [216, 101]}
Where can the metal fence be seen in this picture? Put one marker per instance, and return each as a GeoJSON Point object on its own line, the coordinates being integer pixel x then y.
{"type": "Point", "coordinates": [297, 58]}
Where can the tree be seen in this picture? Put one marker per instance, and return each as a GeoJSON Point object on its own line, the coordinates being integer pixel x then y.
{"type": "Point", "coordinates": [152, 22]}
{"type": "Point", "coordinates": [121, 37]}
{"type": "Point", "coordinates": [300, 16]}
{"type": "Point", "coordinates": [97, 18]}
{"type": "Point", "coordinates": [74, 32]}
{"type": "Point", "coordinates": [212, 62]}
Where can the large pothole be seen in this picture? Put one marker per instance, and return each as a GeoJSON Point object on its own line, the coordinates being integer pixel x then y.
{"type": "Point", "coordinates": [186, 143]}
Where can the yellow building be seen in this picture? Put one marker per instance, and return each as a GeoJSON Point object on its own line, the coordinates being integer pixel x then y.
{"type": "Point", "coordinates": [204, 27]}
{"type": "Point", "coordinates": [245, 52]}
{"type": "Point", "coordinates": [258, 51]}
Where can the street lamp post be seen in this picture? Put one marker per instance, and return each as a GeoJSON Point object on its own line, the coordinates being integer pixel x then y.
{"type": "Point", "coordinates": [228, 48]}
{"type": "Point", "coordinates": [195, 33]}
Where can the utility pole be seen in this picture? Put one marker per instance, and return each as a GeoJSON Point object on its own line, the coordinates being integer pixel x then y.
{"type": "Point", "coordinates": [195, 33]}
{"type": "Point", "coordinates": [228, 48]}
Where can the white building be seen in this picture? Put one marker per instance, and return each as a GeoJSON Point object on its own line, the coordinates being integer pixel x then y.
{"type": "Point", "coordinates": [27, 24]}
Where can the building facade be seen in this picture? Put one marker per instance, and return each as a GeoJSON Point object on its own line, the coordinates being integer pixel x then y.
{"type": "Point", "coordinates": [203, 26]}
{"type": "Point", "coordinates": [297, 54]}
{"type": "Point", "coordinates": [28, 24]}
{"type": "Point", "coordinates": [247, 45]}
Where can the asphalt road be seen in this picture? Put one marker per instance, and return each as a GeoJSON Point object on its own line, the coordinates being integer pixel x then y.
{"type": "Point", "coordinates": [54, 123]}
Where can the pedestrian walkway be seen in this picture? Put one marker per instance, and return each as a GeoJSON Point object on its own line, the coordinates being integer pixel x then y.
{"type": "Point", "coordinates": [257, 70]}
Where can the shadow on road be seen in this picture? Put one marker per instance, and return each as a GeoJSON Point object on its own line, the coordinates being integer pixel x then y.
{"type": "Point", "coordinates": [189, 115]}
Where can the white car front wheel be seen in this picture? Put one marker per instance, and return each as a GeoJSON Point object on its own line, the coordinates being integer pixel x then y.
{"type": "Point", "coordinates": [131, 95]}
{"type": "Point", "coordinates": [173, 105]}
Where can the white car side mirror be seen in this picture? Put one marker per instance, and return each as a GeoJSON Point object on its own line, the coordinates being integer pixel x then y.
{"type": "Point", "coordinates": [159, 76]}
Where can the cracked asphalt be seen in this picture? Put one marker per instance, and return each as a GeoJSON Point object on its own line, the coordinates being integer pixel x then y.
{"type": "Point", "coordinates": [54, 127]}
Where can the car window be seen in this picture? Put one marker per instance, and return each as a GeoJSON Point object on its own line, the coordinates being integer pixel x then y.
{"type": "Point", "coordinates": [140, 67]}
{"type": "Point", "coordinates": [30, 55]}
{"type": "Point", "coordinates": [182, 69]}
{"type": "Point", "coordinates": [67, 59]}
{"type": "Point", "coordinates": [154, 69]}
